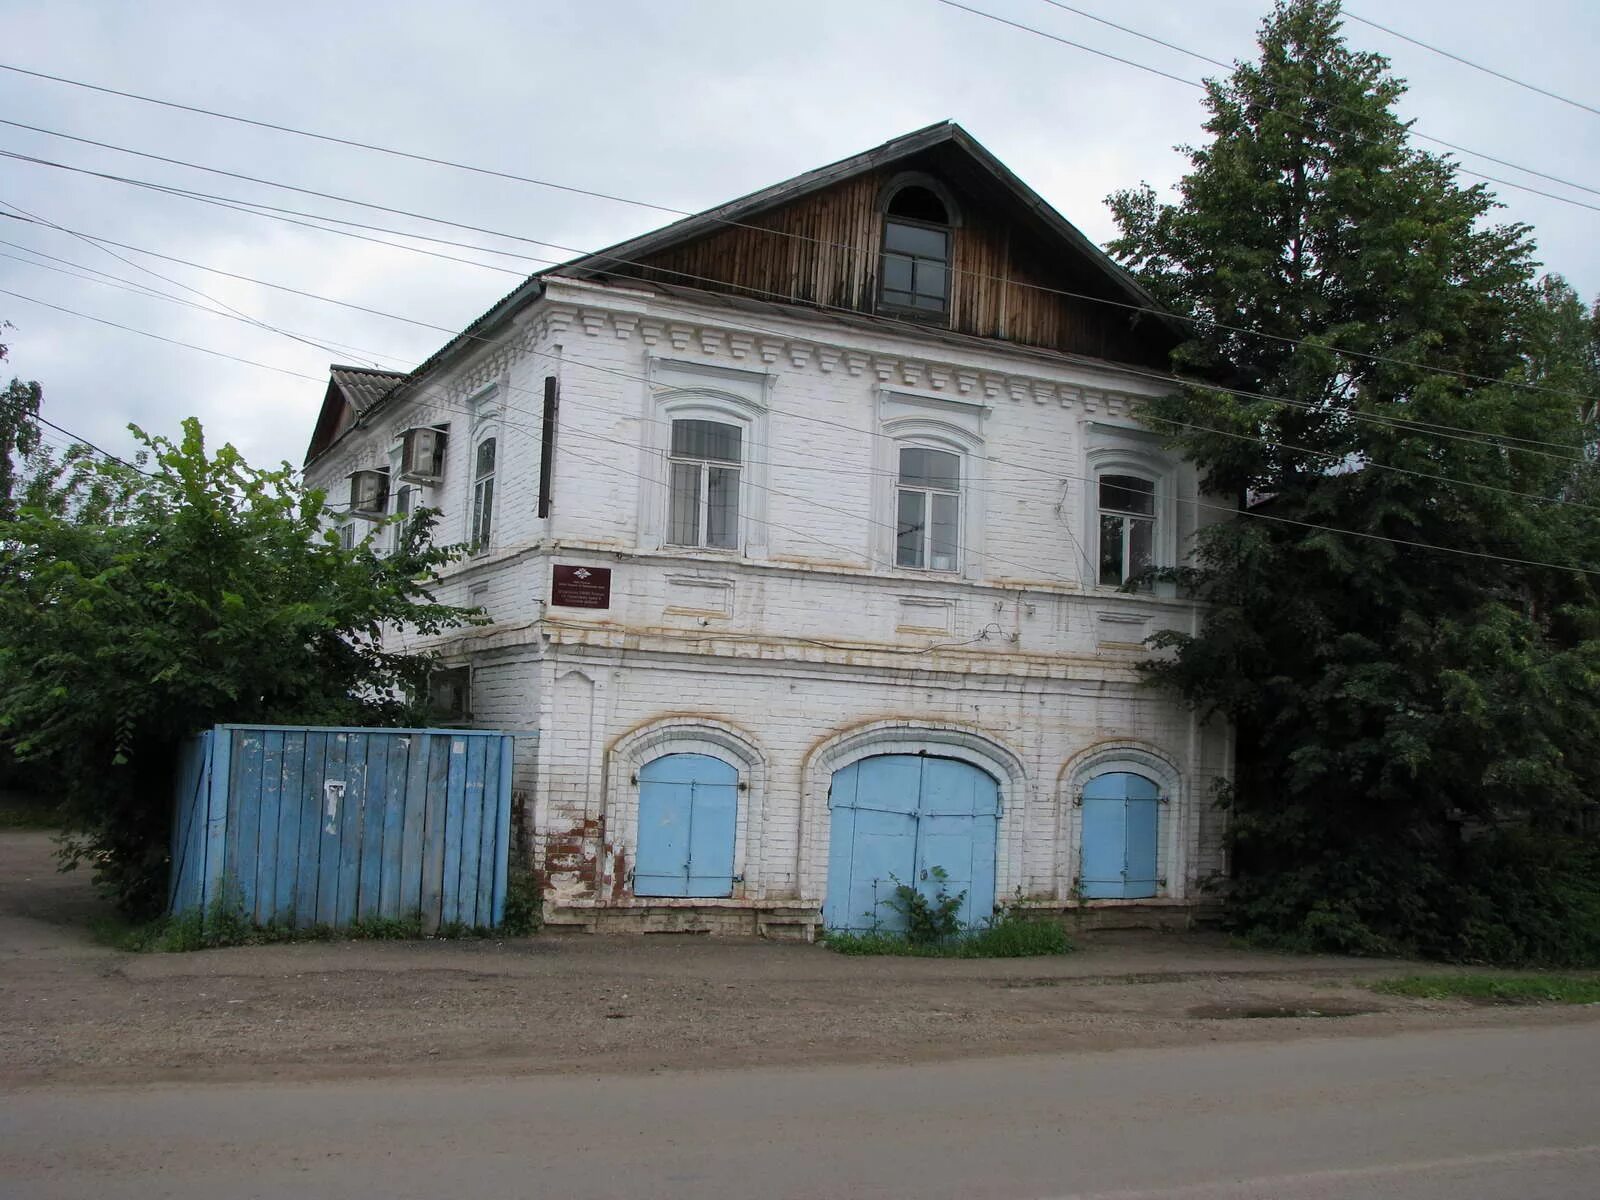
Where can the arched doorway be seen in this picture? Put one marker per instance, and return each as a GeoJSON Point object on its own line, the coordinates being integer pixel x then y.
{"type": "Point", "coordinates": [688, 813]}
{"type": "Point", "coordinates": [897, 817]}
{"type": "Point", "coordinates": [1121, 834]}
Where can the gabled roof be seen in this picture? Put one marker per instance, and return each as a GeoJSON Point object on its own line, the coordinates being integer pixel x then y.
{"type": "Point", "coordinates": [352, 392]}
{"type": "Point", "coordinates": [365, 390]}
{"type": "Point", "coordinates": [362, 386]}
{"type": "Point", "coordinates": [893, 151]}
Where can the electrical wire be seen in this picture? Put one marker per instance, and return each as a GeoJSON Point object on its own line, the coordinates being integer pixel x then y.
{"type": "Point", "coordinates": [1522, 83]}
{"type": "Point", "coordinates": [744, 225]}
{"type": "Point", "coordinates": [978, 12]}
{"type": "Point", "coordinates": [77, 440]}
{"type": "Point", "coordinates": [1433, 429]}
{"type": "Point", "coordinates": [1228, 66]}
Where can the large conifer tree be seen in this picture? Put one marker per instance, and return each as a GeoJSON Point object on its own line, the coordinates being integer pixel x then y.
{"type": "Point", "coordinates": [1419, 727]}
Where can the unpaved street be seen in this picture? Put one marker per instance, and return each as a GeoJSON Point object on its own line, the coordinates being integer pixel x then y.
{"type": "Point", "coordinates": [1444, 1115]}
{"type": "Point", "coordinates": [1143, 1065]}
{"type": "Point", "coordinates": [75, 1012]}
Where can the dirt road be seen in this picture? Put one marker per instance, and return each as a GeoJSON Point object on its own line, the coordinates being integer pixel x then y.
{"type": "Point", "coordinates": [73, 1012]}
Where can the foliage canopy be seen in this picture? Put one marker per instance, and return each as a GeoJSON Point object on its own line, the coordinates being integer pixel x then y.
{"type": "Point", "coordinates": [1417, 726]}
{"type": "Point", "coordinates": [143, 602]}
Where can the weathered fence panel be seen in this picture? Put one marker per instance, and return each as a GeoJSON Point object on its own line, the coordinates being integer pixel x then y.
{"type": "Point", "coordinates": [333, 826]}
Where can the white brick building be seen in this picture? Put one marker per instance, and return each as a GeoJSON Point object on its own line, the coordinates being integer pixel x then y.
{"type": "Point", "coordinates": [859, 457]}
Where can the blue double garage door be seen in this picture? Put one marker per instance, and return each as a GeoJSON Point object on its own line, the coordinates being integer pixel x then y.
{"type": "Point", "coordinates": [913, 820]}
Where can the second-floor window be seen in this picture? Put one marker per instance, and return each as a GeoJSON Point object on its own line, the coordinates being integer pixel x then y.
{"type": "Point", "coordinates": [1127, 527]}
{"type": "Point", "coordinates": [703, 485]}
{"type": "Point", "coordinates": [928, 509]}
{"type": "Point", "coordinates": [483, 494]}
{"type": "Point", "coordinates": [915, 269]}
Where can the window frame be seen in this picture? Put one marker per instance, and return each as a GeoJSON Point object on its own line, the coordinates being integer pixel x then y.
{"type": "Point", "coordinates": [480, 515]}
{"type": "Point", "coordinates": [952, 222]}
{"type": "Point", "coordinates": [1122, 451]}
{"type": "Point", "coordinates": [704, 466]}
{"type": "Point", "coordinates": [949, 423]}
{"type": "Point", "coordinates": [1127, 517]}
{"type": "Point", "coordinates": [929, 495]}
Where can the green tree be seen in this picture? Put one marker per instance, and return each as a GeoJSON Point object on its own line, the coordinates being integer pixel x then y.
{"type": "Point", "coordinates": [143, 602]}
{"type": "Point", "coordinates": [1388, 698]}
{"type": "Point", "coordinates": [19, 432]}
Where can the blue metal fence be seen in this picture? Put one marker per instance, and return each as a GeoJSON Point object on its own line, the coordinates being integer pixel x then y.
{"type": "Point", "coordinates": [331, 826]}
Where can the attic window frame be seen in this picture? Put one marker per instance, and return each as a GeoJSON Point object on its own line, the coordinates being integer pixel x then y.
{"type": "Point", "coordinates": [902, 181]}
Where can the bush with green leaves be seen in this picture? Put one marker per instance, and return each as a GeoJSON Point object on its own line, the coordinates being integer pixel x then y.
{"type": "Point", "coordinates": [141, 603]}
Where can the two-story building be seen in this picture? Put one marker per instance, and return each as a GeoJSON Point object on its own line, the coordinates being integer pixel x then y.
{"type": "Point", "coordinates": [803, 526]}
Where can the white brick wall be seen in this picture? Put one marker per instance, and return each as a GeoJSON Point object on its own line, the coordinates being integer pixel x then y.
{"type": "Point", "coordinates": [812, 633]}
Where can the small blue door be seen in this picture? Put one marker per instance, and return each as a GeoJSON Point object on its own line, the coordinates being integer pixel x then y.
{"type": "Point", "coordinates": [895, 818]}
{"type": "Point", "coordinates": [1121, 830]}
{"type": "Point", "coordinates": [688, 814]}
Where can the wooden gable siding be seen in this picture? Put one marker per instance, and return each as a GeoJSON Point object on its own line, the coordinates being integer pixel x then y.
{"type": "Point", "coordinates": [824, 252]}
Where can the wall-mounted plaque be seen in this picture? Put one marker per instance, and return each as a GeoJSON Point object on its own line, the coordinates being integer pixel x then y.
{"type": "Point", "coordinates": [580, 587]}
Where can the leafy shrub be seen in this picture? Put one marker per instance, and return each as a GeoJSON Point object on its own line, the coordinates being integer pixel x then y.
{"type": "Point", "coordinates": [524, 913]}
{"type": "Point", "coordinates": [928, 922]}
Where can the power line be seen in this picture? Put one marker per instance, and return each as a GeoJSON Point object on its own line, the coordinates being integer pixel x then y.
{"type": "Point", "coordinates": [1432, 429]}
{"type": "Point", "coordinates": [1522, 83]}
{"type": "Point", "coordinates": [813, 503]}
{"type": "Point", "coordinates": [1187, 82]}
{"type": "Point", "coordinates": [1227, 66]}
{"type": "Point", "coordinates": [437, 161]}
{"type": "Point", "coordinates": [160, 338]}
{"type": "Point", "coordinates": [77, 440]}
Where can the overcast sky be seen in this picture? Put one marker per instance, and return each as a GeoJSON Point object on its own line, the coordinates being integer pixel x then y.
{"type": "Point", "coordinates": [683, 105]}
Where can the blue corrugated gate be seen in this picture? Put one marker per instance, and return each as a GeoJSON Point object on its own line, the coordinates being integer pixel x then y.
{"type": "Point", "coordinates": [1121, 828]}
{"type": "Point", "coordinates": [331, 826]}
{"type": "Point", "coordinates": [895, 818]}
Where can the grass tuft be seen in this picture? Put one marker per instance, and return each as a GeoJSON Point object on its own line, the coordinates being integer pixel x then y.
{"type": "Point", "coordinates": [1496, 989]}
{"type": "Point", "coordinates": [1009, 937]}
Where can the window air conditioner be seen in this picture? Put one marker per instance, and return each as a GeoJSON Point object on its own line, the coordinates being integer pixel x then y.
{"type": "Point", "coordinates": [369, 494]}
{"type": "Point", "coordinates": [450, 696]}
{"type": "Point", "coordinates": [422, 455]}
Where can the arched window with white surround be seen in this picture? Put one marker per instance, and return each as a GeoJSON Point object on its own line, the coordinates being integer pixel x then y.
{"type": "Point", "coordinates": [704, 458]}
{"type": "Point", "coordinates": [1130, 509]}
{"type": "Point", "coordinates": [1123, 819]}
{"type": "Point", "coordinates": [684, 800]}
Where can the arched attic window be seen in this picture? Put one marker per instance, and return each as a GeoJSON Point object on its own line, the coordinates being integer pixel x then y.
{"type": "Point", "coordinates": [914, 274]}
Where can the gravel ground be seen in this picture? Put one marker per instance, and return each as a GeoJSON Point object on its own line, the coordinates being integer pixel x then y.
{"type": "Point", "coordinates": [72, 1011]}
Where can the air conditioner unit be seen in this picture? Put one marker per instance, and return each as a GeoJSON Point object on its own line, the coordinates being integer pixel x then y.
{"type": "Point", "coordinates": [450, 696]}
{"type": "Point", "coordinates": [422, 455]}
{"type": "Point", "coordinates": [369, 494]}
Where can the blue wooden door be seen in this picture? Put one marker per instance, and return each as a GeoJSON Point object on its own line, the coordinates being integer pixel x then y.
{"type": "Point", "coordinates": [688, 816]}
{"type": "Point", "coordinates": [897, 817]}
{"type": "Point", "coordinates": [1120, 834]}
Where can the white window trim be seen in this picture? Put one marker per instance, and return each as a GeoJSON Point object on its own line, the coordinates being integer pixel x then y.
{"type": "Point", "coordinates": [1172, 834]}
{"type": "Point", "coordinates": [936, 423]}
{"type": "Point", "coordinates": [1128, 452]}
{"type": "Point", "coordinates": [704, 392]}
